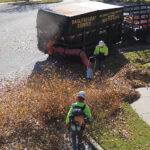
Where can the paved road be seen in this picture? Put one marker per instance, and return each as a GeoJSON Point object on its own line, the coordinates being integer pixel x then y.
{"type": "Point", "coordinates": [18, 42]}
{"type": "Point", "coordinates": [142, 105]}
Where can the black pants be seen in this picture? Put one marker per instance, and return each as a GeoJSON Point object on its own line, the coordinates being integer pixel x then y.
{"type": "Point", "coordinates": [77, 139]}
{"type": "Point", "coordinates": [99, 62]}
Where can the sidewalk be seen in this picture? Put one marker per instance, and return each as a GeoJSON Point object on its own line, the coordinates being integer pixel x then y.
{"type": "Point", "coordinates": [142, 105]}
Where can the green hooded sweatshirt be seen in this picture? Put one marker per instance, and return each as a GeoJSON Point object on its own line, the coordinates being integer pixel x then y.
{"type": "Point", "coordinates": [80, 104]}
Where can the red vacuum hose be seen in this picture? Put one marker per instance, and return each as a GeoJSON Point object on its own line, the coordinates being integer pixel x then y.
{"type": "Point", "coordinates": [71, 52]}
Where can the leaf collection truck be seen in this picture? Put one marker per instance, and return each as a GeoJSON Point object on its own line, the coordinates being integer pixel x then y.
{"type": "Point", "coordinates": [74, 29]}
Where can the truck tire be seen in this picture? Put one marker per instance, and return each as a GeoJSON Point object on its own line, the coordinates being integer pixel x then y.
{"type": "Point", "coordinates": [147, 37]}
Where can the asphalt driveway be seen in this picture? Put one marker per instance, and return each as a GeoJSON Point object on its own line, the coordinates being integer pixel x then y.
{"type": "Point", "coordinates": [18, 42]}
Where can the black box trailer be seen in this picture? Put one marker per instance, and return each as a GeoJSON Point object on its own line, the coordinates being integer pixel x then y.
{"type": "Point", "coordinates": [79, 25]}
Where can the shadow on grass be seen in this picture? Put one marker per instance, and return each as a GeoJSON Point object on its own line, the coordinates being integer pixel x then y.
{"type": "Point", "coordinates": [115, 62]}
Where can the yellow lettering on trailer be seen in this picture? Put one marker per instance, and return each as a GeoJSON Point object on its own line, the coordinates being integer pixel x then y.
{"type": "Point", "coordinates": [82, 25]}
{"type": "Point", "coordinates": [83, 22]}
{"type": "Point", "coordinates": [110, 16]}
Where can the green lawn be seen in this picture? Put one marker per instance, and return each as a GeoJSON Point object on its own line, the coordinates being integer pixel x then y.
{"type": "Point", "coordinates": [140, 59]}
{"type": "Point", "coordinates": [126, 132]}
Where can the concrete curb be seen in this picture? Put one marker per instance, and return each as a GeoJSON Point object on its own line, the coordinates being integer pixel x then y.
{"type": "Point", "coordinates": [93, 143]}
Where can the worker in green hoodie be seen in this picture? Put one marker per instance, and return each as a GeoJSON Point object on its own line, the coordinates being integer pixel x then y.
{"type": "Point", "coordinates": [78, 115]}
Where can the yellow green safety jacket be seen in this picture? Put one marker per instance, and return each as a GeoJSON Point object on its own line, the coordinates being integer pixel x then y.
{"type": "Point", "coordinates": [99, 50]}
{"type": "Point", "coordinates": [86, 111]}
